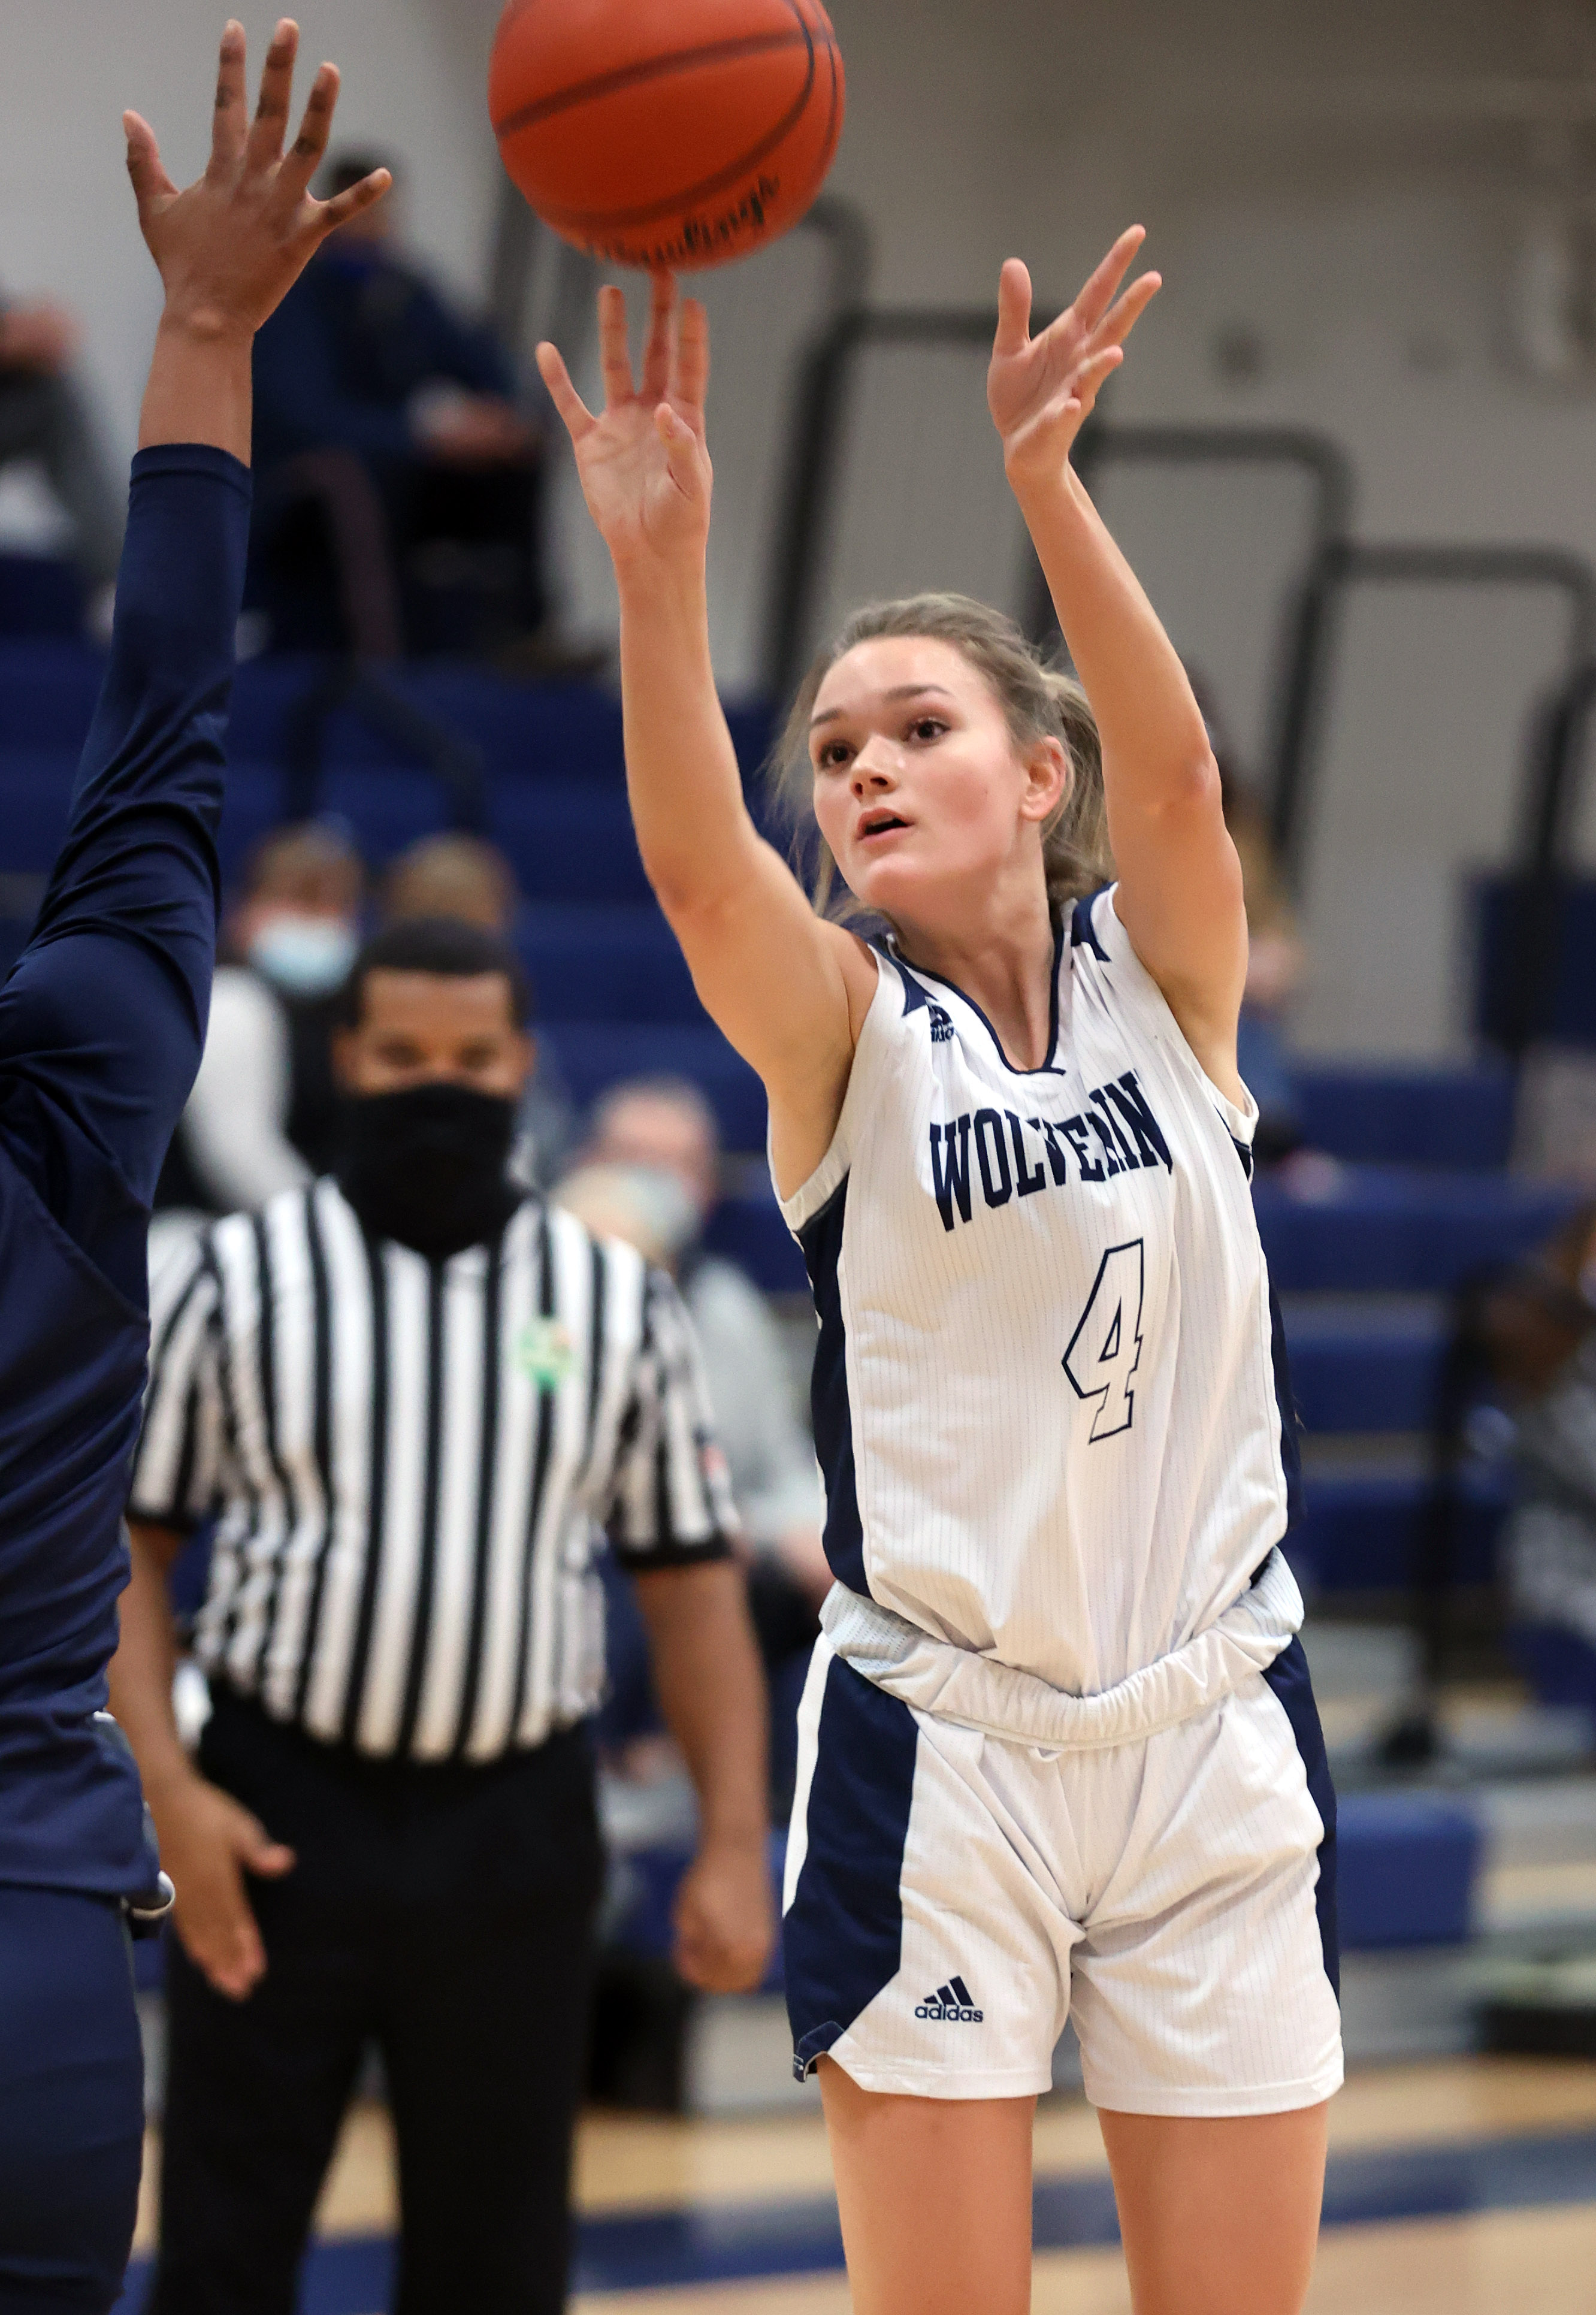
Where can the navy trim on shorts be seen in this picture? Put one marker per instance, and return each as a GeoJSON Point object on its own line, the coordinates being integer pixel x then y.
{"type": "Point", "coordinates": [821, 1239]}
{"type": "Point", "coordinates": [842, 1939]}
{"type": "Point", "coordinates": [1288, 1676]}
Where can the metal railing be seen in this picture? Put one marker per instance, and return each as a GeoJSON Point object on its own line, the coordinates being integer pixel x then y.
{"type": "Point", "coordinates": [1343, 566]}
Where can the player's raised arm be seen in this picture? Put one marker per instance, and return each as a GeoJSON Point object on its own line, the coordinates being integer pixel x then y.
{"type": "Point", "coordinates": [788, 990]}
{"type": "Point", "coordinates": [1180, 882]}
{"type": "Point", "coordinates": [103, 1021]}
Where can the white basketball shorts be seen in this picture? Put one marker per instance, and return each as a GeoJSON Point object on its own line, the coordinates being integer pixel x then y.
{"type": "Point", "coordinates": [952, 1897]}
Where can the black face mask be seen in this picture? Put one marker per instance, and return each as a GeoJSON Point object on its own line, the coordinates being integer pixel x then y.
{"type": "Point", "coordinates": [427, 1164]}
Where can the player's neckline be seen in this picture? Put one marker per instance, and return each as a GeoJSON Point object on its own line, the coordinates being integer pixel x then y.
{"type": "Point", "coordinates": [1048, 1069]}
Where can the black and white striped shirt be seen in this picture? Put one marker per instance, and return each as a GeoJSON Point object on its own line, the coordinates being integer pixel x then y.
{"type": "Point", "coordinates": [408, 1462]}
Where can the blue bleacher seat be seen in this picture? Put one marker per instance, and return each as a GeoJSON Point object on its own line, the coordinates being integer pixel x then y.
{"type": "Point", "coordinates": [594, 1055]}
{"type": "Point", "coordinates": [1569, 1015]}
{"type": "Point", "coordinates": [35, 789]}
{"type": "Point", "coordinates": [606, 965]}
{"type": "Point", "coordinates": [40, 594]}
{"type": "Point", "coordinates": [1460, 1117]}
{"type": "Point", "coordinates": [1406, 1864]}
{"type": "Point", "coordinates": [387, 807]}
{"type": "Point", "coordinates": [1366, 1367]}
{"type": "Point", "coordinates": [1363, 1525]}
{"type": "Point", "coordinates": [568, 840]}
{"type": "Point", "coordinates": [252, 807]}
{"type": "Point", "coordinates": [1385, 1229]}
{"type": "Point", "coordinates": [47, 690]}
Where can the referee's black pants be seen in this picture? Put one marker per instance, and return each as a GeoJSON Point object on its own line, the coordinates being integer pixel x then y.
{"type": "Point", "coordinates": [444, 1911]}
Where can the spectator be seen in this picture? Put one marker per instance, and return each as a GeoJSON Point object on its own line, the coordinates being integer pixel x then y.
{"type": "Point", "coordinates": [652, 1177]}
{"type": "Point", "coordinates": [42, 417]}
{"type": "Point", "coordinates": [388, 425]}
{"type": "Point", "coordinates": [473, 882]}
{"type": "Point", "coordinates": [663, 1130]}
{"type": "Point", "coordinates": [263, 1115]}
{"type": "Point", "coordinates": [1540, 1327]}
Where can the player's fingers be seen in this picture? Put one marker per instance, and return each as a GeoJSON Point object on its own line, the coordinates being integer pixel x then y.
{"type": "Point", "coordinates": [615, 359]}
{"type": "Point", "coordinates": [150, 181]}
{"type": "Point", "coordinates": [656, 360]}
{"type": "Point", "coordinates": [230, 124]}
{"type": "Point", "coordinates": [1087, 383]}
{"type": "Point", "coordinates": [1122, 318]}
{"type": "Point", "coordinates": [690, 378]}
{"type": "Point", "coordinates": [1014, 308]}
{"type": "Point", "coordinates": [1097, 292]}
{"type": "Point", "coordinates": [343, 205]}
{"type": "Point", "coordinates": [681, 450]}
{"type": "Point", "coordinates": [567, 401]}
{"type": "Point", "coordinates": [271, 1859]}
{"type": "Point", "coordinates": [263, 145]}
{"type": "Point", "coordinates": [304, 157]}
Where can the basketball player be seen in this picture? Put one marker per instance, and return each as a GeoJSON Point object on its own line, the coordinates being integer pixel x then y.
{"type": "Point", "coordinates": [1058, 1749]}
{"type": "Point", "coordinates": [100, 1027]}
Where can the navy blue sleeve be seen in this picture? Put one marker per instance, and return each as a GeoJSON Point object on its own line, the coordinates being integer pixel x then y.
{"type": "Point", "coordinates": [299, 402]}
{"type": "Point", "coordinates": [103, 1020]}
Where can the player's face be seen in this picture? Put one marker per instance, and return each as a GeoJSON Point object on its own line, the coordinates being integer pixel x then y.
{"type": "Point", "coordinates": [920, 786]}
{"type": "Point", "coordinates": [434, 1028]}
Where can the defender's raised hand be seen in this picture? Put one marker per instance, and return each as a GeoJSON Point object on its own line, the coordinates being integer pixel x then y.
{"type": "Point", "coordinates": [643, 462]}
{"type": "Point", "coordinates": [1040, 390]}
{"type": "Point", "coordinates": [234, 242]}
{"type": "Point", "coordinates": [231, 244]}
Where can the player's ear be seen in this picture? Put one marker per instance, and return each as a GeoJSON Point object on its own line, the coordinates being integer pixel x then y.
{"type": "Point", "coordinates": [1047, 778]}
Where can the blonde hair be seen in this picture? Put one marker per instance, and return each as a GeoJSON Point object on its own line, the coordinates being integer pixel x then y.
{"type": "Point", "coordinates": [1038, 703]}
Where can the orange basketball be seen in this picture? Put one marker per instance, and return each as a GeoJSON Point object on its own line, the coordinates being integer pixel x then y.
{"type": "Point", "coordinates": [667, 133]}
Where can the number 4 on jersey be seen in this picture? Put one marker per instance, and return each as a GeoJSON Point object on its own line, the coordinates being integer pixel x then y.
{"type": "Point", "coordinates": [1105, 1348]}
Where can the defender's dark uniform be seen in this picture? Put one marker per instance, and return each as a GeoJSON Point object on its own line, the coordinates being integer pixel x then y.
{"type": "Point", "coordinates": [102, 1024]}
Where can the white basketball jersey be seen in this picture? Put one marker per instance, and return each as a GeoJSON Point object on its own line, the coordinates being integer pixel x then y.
{"type": "Point", "coordinates": [1045, 1392]}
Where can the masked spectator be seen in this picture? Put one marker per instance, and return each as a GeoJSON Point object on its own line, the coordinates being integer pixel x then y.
{"type": "Point", "coordinates": [663, 1130]}
{"type": "Point", "coordinates": [263, 1115]}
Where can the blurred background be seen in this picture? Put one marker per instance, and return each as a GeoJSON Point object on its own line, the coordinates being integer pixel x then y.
{"type": "Point", "coordinates": [1352, 455]}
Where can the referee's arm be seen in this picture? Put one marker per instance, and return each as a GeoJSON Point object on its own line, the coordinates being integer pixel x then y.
{"type": "Point", "coordinates": [670, 1526]}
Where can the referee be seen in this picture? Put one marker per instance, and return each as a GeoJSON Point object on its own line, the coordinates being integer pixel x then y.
{"type": "Point", "coordinates": [412, 1394]}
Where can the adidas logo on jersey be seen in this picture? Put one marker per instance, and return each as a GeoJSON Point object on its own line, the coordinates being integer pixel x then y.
{"type": "Point", "coordinates": [953, 2003]}
{"type": "Point", "coordinates": [942, 1025]}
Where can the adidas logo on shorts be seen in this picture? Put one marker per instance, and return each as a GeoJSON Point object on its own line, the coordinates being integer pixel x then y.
{"type": "Point", "coordinates": [953, 2003]}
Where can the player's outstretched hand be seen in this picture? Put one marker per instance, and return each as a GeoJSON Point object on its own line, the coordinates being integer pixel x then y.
{"type": "Point", "coordinates": [1040, 390]}
{"type": "Point", "coordinates": [725, 1919]}
{"type": "Point", "coordinates": [231, 244]}
{"type": "Point", "coordinates": [643, 462]}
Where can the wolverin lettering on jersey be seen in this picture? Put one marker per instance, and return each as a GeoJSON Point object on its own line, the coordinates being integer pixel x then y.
{"type": "Point", "coordinates": [1115, 1132]}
